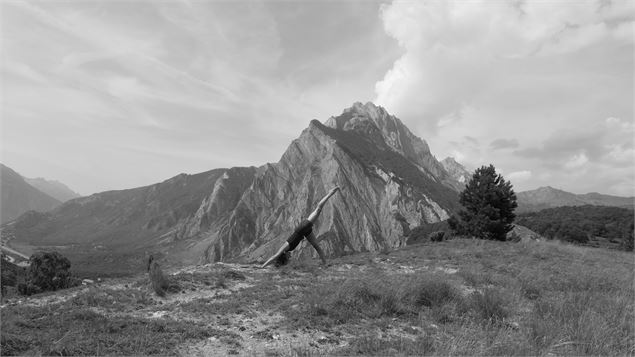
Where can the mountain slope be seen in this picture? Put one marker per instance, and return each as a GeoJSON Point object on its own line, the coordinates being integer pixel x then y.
{"type": "Point", "coordinates": [53, 188]}
{"type": "Point", "coordinates": [126, 218]}
{"type": "Point", "coordinates": [549, 197]}
{"type": "Point", "coordinates": [390, 184]}
{"type": "Point", "coordinates": [19, 197]}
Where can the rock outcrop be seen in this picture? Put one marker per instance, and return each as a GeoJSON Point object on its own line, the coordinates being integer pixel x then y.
{"type": "Point", "coordinates": [457, 172]}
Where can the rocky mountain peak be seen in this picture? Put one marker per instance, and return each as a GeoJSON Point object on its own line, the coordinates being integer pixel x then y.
{"type": "Point", "coordinates": [456, 170]}
{"type": "Point", "coordinates": [379, 126]}
{"type": "Point", "coordinates": [360, 117]}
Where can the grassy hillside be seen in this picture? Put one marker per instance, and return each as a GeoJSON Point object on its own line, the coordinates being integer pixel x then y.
{"type": "Point", "coordinates": [457, 297]}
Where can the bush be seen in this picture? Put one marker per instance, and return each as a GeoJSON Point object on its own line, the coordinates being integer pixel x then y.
{"type": "Point", "coordinates": [489, 203]}
{"type": "Point", "coordinates": [436, 236]}
{"type": "Point", "coordinates": [48, 271]}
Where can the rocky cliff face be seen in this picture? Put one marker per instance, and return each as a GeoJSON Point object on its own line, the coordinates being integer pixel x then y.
{"type": "Point", "coordinates": [456, 171]}
{"type": "Point", "coordinates": [393, 133]}
{"type": "Point", "coordinates": [390, 183]}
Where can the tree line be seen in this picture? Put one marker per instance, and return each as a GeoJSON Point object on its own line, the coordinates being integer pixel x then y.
{"type": "Point", "coordinates": [580, 224]}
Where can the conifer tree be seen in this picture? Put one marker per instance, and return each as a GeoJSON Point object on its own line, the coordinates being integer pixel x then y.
{"type": "Point", "coordinates": [489, 202]}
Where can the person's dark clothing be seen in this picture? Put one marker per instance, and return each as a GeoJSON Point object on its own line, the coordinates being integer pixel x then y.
{"type": "Point", "coordinates": [282, 259]}
{"type": "Point", "coordinates": [304, 229]}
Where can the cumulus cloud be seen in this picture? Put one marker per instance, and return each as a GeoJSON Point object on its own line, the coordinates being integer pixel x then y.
{"type": "Point", "coordinates": [576, 161]}
{"type": "Point", "coordinates": [454, 51]}
{"type": "Point", "coordinates": [538, 72]}
{"type": "Point", "coordinates": [608, 141]}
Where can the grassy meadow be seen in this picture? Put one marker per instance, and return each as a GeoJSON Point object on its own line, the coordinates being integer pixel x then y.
{"type": "Point", "coordinates": [457, 297]}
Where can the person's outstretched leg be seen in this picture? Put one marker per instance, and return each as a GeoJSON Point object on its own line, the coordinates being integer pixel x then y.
{"type": "Point", "coordinates": [316, 213]}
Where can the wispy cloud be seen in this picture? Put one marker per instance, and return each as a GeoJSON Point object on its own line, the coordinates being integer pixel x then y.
{"type": "Point", "coordinates": [184, 86]}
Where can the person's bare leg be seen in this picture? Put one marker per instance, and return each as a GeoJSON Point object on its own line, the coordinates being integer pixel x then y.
{"type": "Point", "coordinates": [316, 213]}
{"type": "Point", "coordinates": [313, 240]}
{"type": "Point", "coordinates": [282, 249]}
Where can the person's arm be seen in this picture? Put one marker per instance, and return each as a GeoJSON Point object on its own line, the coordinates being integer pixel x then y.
{"type": "Point", "coordinates": [311, 238]}
{"type": "Point", "coordinates": [275, 256]}
{"type": "Point", "coordinates": [314, 215]}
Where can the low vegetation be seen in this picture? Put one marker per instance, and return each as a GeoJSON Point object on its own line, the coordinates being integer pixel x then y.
{"type": "Point", "coordinates": [47, 271]}
{"type": "Point", "coordinates": [455, 297]}
{"type": "Point", "coordinates": [610, 227]}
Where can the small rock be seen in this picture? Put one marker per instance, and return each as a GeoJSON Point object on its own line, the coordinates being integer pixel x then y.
{"type": "Point", "coordinates": [413, 330]}
{"type": "Point", "coordinates": [275, 337]}
{"type": "Point", "coordinates": [324, 340]}
{"type": "Point", "coordinates": [434, 326]}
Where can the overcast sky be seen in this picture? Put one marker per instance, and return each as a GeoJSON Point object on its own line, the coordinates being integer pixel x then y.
{"type": "Point", "coordinates": [107, 95]}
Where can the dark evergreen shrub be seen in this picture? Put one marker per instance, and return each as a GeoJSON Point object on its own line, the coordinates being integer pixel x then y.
{"type": "Point", "coordinates": [48, 271]}
{"type": "Point", "coordinates": [488, 206]}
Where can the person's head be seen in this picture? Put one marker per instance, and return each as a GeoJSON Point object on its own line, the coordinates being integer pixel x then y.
{"type": "Point", "coordinates": [282, 259]}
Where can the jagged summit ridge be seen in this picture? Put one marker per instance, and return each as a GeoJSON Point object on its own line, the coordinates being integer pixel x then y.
{"type": "Point", "coordinates": [377, 124]}
{"type": "Point", "coordinates": [393, 130]}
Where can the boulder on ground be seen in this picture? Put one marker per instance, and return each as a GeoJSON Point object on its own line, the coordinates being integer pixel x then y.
{"type": "Point", "coordinates": [523, 234]}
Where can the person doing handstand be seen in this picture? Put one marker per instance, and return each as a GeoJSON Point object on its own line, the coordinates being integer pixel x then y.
{"type": "Point", "coordinates": [303, 230]}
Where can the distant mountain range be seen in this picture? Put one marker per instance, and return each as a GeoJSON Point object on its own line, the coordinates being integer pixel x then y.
{"type": "Point", "coordinates": [53, 188]}
{"type": "Point", "coordinates": [18, 196]}
{"type": "Point", "coordinates": [390, 184]}
{"type": "Point", "coordinates": [549, 197]}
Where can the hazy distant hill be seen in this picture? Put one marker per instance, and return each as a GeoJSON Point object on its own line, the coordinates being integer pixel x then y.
{"type": "Point", "coordinates": [548, 197]}
{"type": "Point", "coordinates": [53, 188]}
{"type": "Point", "coordinates": [390, 182]}
{"type": "Point", "coordinates": [19, 197]}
